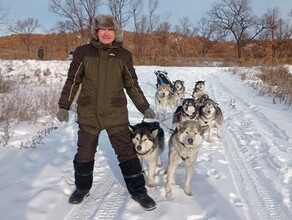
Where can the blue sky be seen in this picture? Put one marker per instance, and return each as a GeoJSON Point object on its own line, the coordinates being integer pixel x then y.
{"type": "Point", "coordinates": [194, 9]}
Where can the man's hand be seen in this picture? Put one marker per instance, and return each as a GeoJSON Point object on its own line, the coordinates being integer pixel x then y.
{"type": "Point", "coordinates": [63, 115]}
{"type": "Point", "coordinates": [149, 113]}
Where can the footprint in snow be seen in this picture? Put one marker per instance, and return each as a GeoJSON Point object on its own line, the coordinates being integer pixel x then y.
{"type": "Point", "coordinates": [236, 200]}
{"type": "Point", "coordinates": [215, 173]}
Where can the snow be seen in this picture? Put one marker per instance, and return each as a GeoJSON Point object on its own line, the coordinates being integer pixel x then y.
{"type": "Point", "coordinates": [246, 175]}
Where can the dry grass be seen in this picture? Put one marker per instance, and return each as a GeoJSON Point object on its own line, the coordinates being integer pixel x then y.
{"type": "Point", "coordinates": [26, 101]}
{"type": "Point", "coordinates": [277, 83]}
{"type": "Point", "coordinates": [273, 81]}
{"type": "Point", "coordinates": [5, 85]}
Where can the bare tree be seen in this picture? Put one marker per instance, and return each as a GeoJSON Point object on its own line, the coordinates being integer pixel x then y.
{"type": "Point", "coordinates": [136, 10]}
{"type": "Point", "coordinates": [25, 28]}
{"type": "Point", "coordinates": [209, 33]}
{"type": "Point", "coordinates": [271, 18]}
{"type": "Point", "coordinates": [140, 22]}
{"type": "Point", "coordinates": [65, 29]}
{"type": "Point", "coordinates": [162, 33]}
{"type": "Point", "coordinates": [77, 13]}
{"type": "Point", "coordinates": [153, 18]}
{"type": "Point", "coordinates": [236, 17]}
{"type": "Point", "coordinates": [3, 14]}
{"type": "Point", "coordinates": [277, 33]}
{"type": "Point", "coordinates": [120, 9]}
{"type": "Point", "coordinates": [184, 26]}
{"type": "Point", "coordinates": [290, 13]}
{"type": "Point", "coordinates": [184, 29]}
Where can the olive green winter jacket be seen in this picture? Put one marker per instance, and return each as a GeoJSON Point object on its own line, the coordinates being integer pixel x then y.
{"type": "Point", "coordinates": [103, 72]}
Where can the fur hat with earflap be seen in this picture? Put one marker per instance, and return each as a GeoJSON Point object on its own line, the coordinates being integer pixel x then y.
{"type": "Point", "coordinates": [106, 22]}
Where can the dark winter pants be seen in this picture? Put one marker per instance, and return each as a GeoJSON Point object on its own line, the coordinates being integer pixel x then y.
{"type": "Point", "coordinates": [119, 136]}
{"type": "Point", "coordinates": [121, 141]}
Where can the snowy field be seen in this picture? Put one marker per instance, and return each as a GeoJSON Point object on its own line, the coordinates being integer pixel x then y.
{"type": "Point", "coordinates": [246, 175]}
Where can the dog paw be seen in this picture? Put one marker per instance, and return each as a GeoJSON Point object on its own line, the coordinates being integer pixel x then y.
{"type": "Point", "coordinates": [159, 165]}
{"type": "Point", "coordinates": [167, 194]}
{"type": "Point", "coordinates": [188, 193]}
{"type": "Point", "coordinates": [167, 191]}
{"type": "Point", "coordinates": [219, 137]}
{"type": "Point", "coordinates": [150, 185]}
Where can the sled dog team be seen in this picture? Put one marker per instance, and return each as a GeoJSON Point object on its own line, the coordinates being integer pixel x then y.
{"type": "Point", "coordinates": [193, 118]}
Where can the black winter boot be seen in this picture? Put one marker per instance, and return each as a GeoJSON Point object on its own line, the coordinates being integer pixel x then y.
{"type": "Point", "coordinates": [83, 181]}
{"type": "Point", "coordinates": [78, 195]}
{"type": "Point", "coordinates": [135, 182]}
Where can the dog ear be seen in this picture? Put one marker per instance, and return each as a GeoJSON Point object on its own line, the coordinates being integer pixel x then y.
{"type": "Point", "coordinates": [132, 128]}
{"type": "Point", "coordinates": [154, 133]}
{"type": "Point", "coordinates": [179, 126]}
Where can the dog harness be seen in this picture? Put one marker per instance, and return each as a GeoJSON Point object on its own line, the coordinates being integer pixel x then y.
{"type": "Point", "coordinates": [192, 116]}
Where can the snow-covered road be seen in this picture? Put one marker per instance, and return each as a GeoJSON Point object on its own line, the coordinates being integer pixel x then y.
{"type": "Point", "coordinates": [246, 175]}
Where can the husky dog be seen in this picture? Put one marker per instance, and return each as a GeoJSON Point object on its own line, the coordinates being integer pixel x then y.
{"type": "Point", "coordinates": [148, 140]}
{"type": "Point", "coordinates": [198, 90]}
{"type": "Point", "coordinates": [179, 91]}
{"type": "Point", "coordinates": [184, 145]}
{"type": "Point", "coordinates": [163, 98]}
{"type": "Point", "coordinates": [210, 117]}
{"type": "Point", "coordinates": [187, 111]}
{"type": "Point", "coordinates": [200, 101]}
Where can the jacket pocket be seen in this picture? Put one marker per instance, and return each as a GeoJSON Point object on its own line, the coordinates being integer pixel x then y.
{"type": "Point", "coordinates": [83, 100]}
{"type": "Point", "coordinates": [120, 101]}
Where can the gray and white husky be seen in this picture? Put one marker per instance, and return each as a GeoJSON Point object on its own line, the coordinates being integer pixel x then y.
{"type": "Point", "coordinates": [184, 145]}
{"type": "Point", "coordinates": [198, 90]}
{"type": "Point", "coordinates": [164, 97]}
{"type": "Point", "coordinates": [210, 117]}
{"type": "Point", "coordinates": [148, 140]}
{"type": "Point", "coordinates": [179, 91]}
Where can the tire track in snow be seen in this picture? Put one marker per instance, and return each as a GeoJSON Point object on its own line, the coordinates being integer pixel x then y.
{"type": "Point", "coordinates": [251, 183]}
{"type": "Point", "coordinates": [113, 204]}
{"type": "Point", "coordinates": [107, 197]}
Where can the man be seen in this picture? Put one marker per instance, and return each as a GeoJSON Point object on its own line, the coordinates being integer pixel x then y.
{"type": "Point", "coordinates": [105, 69]}
{"type": "Point", "coordinates": [41, 53]}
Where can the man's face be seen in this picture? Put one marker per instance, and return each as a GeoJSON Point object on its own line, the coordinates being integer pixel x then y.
{"type": "Point", "coordinates": [106, 36]}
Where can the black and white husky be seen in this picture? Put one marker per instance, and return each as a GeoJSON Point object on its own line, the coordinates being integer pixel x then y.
{"type": "Point", "coordinates": [186, 111]}
{"type": "Point", "coordinates": [148, 140]}
{"type": "Point", "coordinates": [184, 145]}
